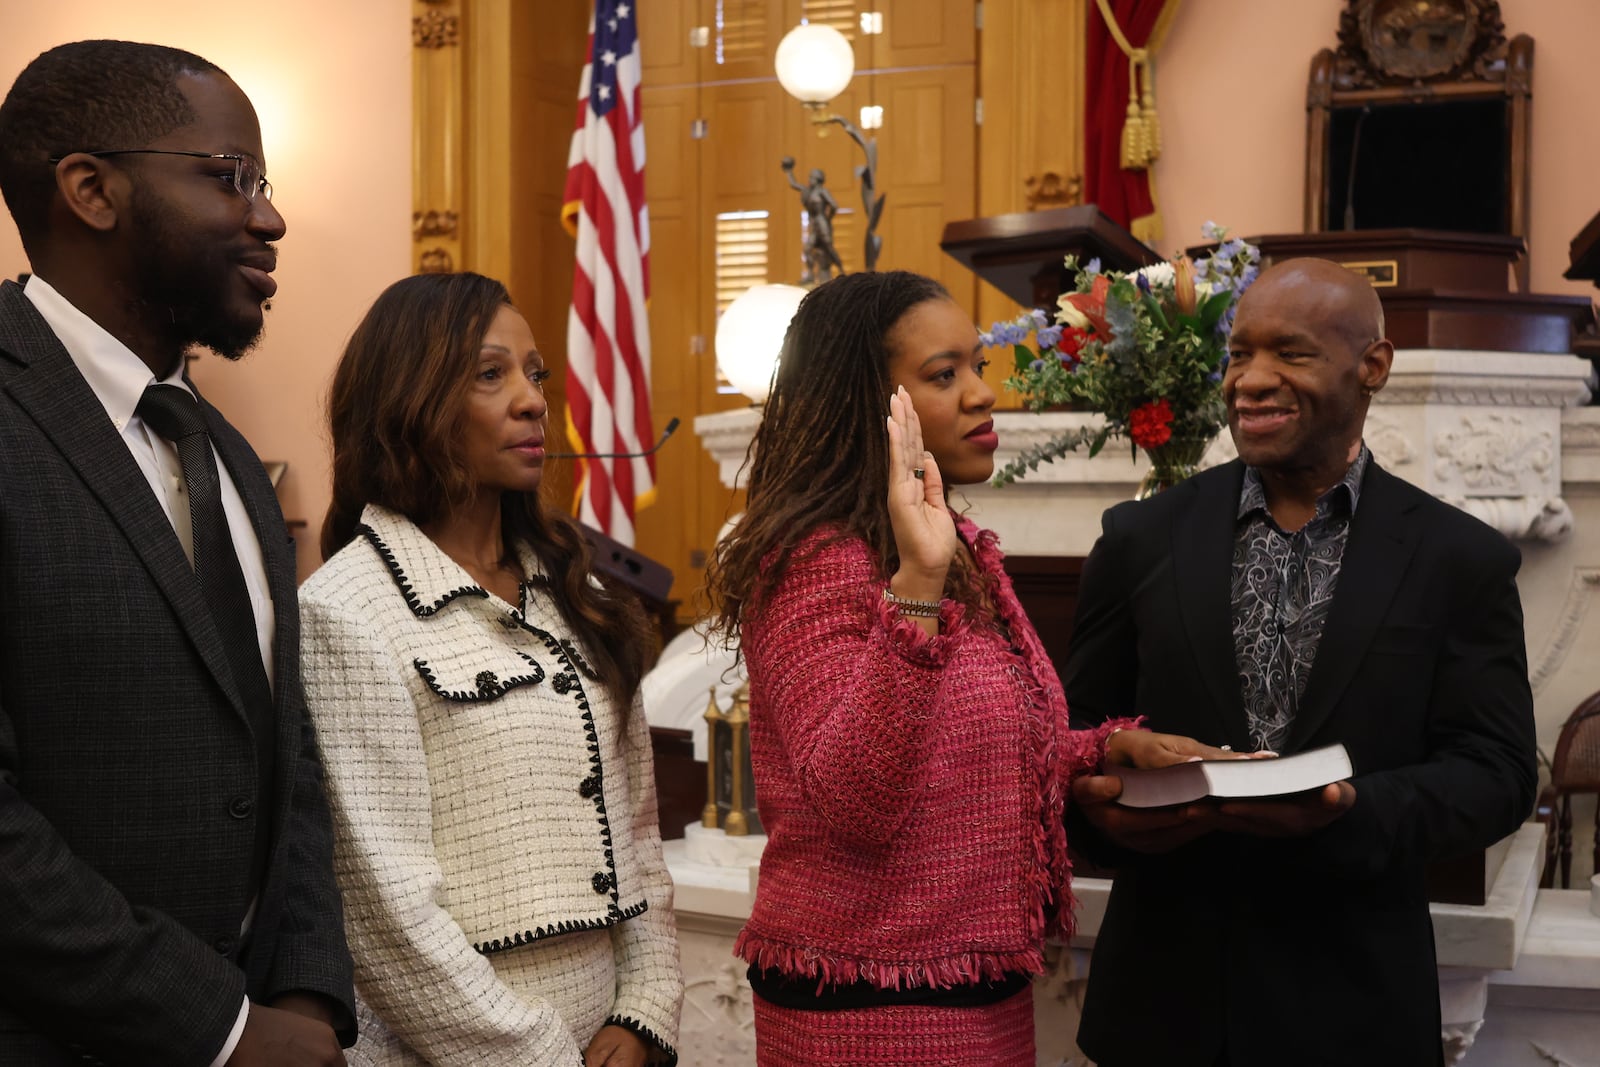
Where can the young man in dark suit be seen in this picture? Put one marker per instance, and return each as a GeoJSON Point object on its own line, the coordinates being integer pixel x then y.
{"type": "Point", "coordinates": [1296, 597]}
{"type": "Point", "coordinates": [166, 884]}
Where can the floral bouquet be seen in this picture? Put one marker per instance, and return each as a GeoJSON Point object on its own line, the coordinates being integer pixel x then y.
{"type": "Point", "coordinates": [1144, 349]}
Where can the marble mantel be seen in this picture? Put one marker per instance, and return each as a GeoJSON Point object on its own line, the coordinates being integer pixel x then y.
{"type": "Point", "coordinates": [1486, 431]}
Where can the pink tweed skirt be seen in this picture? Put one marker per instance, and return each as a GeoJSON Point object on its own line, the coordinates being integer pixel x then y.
{"type": "Point", "coordinates": [997, 1035]}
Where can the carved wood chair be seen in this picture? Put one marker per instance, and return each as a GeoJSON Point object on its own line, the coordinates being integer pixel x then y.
{"type": "Point", "coordinates": [1574, 769]}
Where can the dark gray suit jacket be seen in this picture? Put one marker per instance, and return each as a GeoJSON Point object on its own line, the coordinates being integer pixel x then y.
{"type": "Point", "coordinates": [127, 775]}
{"type": "Point", "coordinates": [1318, 950]}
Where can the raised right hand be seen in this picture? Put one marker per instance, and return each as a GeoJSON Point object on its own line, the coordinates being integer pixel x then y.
{"type": "Point", "coordinates": [924, 532]}
{"type": "Point", "coordinates": [276, 1038]}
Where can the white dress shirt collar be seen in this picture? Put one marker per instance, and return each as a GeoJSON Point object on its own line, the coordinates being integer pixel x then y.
{"type": "Point", "coordinates": [117, 376]}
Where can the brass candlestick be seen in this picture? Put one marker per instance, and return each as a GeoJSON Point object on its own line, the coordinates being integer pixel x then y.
{"type": "Point", "coordinates": [713, 716]}
{"type": "Point", "coordinates": [738, 720]}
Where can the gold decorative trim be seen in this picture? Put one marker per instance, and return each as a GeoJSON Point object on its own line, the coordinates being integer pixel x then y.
{"type": "Point", "coordinates": [435, 30]}
{"type": "Point", "coordinates": [425, 224]}
{"type": "Point", "coordinates": [436, 261]}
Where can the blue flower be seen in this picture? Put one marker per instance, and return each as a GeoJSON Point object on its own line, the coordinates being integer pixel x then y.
{"type": "Point", "coordinates": [1230, 248]}
{"type": "Point", "coordinates": [1049, 336]}
{"type": "Point", "coordinates": [1214, 376]}
{"type": "Point", "coordinates": [1093, 266]}
{"type": "Point", "coordinates": [986, 340]}
{"type": "Point", "coordinates": [1036, 365]}
{"type": "Point", "coordinates": [1143, 283]}
{"type": "Point", "coordinates": [1037, 315]}
{"type": "Point", "coordinates": [1211, 231]}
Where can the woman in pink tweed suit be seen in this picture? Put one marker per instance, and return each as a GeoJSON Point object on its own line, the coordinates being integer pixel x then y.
{"type": "Point", "coordinates": [908, 733]}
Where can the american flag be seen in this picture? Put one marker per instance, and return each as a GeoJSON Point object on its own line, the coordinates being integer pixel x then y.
{"type": "Point", "coordinates": [608, 334]}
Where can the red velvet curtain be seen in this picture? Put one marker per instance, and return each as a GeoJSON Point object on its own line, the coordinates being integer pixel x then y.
{"type": "Point", "coordinates": [1124, 195]}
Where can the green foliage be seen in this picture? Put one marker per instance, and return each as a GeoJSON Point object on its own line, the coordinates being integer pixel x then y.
{"type": "Point", "coordinates": [1126, 341]}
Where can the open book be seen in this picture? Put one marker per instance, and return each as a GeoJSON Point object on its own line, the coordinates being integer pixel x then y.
{"type": "Point", "coordinates": [1233, 779]}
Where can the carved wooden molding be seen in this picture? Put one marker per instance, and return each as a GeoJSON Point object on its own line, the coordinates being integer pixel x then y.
{"type": "Point", "coordinates": [1412, 42]}
{"type": "Point", "coordinates": [436, 261]}
{"type": "Point", "coordinates": [436, 30]}
{"type": "Point", "coordinates": [425, 224]}
{"type": "Point", "coordinates": [1050, 189]}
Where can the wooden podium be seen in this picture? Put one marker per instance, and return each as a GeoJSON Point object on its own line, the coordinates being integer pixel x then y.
{"type": "Point", "coordinates": [1021, 254]}
{"type": "Point", "coordinates": [1584, 253]}
{"type": "Point", "coordinates": [1445, 289]}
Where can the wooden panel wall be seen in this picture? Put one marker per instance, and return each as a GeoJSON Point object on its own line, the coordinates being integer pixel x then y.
{"type": "Point", "coordinates": [495, 116]}
{"type": "Point", "coordinates": [1031, 79]}
{"type": "Point", "coordinates": [921, 70]}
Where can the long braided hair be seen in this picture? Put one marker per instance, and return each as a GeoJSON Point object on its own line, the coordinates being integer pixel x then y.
{"type": "Point", "coordinates": [821, 453]}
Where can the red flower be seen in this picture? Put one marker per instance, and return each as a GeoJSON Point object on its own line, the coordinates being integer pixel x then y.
{"type": "Point", "coordinates": [1092, 305]}
{"type": "Point", "coordinates": [1071, 344]}
{"type": "Point", "coordinates": [1150, 425]}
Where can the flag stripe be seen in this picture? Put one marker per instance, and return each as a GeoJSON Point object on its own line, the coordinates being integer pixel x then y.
{"type": "Point", "coordinates": [608, 339]}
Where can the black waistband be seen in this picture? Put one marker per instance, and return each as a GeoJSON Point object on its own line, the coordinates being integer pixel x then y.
{"type": "Point", "coordinates": [801, 994]}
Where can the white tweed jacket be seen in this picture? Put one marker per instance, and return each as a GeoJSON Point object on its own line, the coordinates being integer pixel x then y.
{"type": "Point", "coordinates": [487, 793]}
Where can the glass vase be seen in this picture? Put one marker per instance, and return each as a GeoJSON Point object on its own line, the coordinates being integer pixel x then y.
{"type": "Point", "coordinates": [1171, 463]}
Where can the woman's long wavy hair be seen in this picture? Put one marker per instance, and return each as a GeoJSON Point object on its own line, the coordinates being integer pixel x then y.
{"type": "Point", "coordinates": [396, 411]}
{"type": "Point", "coordinates": [821, 453]}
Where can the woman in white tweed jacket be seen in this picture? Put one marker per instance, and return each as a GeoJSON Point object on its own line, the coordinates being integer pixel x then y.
{"type": "Point", "coordinates": [474, 691]}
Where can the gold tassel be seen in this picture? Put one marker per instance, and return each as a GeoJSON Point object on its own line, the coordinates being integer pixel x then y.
{"type": "Point", "coordinates": [1135, 135]}
{"type": "Point", "coordinates": [1133, 138]}
{"type": "Point", "coordinates": [1152, 125]}
{"type": "Point", "coordinates": [1141, 129]}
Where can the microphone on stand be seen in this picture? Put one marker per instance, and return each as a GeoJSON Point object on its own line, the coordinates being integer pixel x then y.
{"type": "Point", "coordinates": [672, 426]}
{"type": "Point", "coordinates": [1350, 179]}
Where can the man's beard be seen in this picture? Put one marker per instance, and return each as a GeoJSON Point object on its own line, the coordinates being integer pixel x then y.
{"type": "Point", "coordinates": [184, 288]}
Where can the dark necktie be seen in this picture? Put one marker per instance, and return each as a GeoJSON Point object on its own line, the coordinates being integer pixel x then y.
{"type": "Point", "coordinates": [175, 414]}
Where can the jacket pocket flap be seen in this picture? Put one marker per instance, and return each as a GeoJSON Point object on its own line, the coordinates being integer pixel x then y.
{"type": "Point", "coordinates": [478, 674]}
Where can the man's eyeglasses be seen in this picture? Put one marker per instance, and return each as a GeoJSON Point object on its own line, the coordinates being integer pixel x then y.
{"type": "Point", "coordinates": [248, 176]}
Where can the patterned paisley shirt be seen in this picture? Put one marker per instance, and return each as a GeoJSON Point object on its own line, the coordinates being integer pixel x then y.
{"type": "Point", "coordinates": [1283, 586]}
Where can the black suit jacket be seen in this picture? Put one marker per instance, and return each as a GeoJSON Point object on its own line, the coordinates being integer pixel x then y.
{"type": "Point", "coordinates": [1317, 950]}
{"type": "Point", "coordinates": [127, 775]}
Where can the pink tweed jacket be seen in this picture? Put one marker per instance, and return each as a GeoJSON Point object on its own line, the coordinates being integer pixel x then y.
{"type": "Point", "coordinates": [911, 786]}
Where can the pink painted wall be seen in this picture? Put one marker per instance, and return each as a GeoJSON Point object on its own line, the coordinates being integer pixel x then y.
{"type": "Point", "coordinates": [1231, 84]}
{"type": "Point", "coordinates": [332, 85]}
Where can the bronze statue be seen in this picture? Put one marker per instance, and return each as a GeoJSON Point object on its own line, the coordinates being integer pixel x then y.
{"type": "Point", "coordinates": [821, 258]}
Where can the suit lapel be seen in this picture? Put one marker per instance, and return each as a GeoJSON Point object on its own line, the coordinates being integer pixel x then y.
{"type": "Point", "coordinates": [1202, 554]}
{"type": "Point", "coordinates": [1383, 537]}
{"type": "Point", "coordinates": [61, 403]}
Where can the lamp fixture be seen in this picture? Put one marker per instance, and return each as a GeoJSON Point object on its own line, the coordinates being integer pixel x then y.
{"type": "Point", "coordinates": [814, 64]}
{"type": "Point", "coordinates": [750, 337]}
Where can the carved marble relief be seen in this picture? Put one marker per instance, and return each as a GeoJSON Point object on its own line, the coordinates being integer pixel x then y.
{"type": "Point", "coordinates": [1495, 455]}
